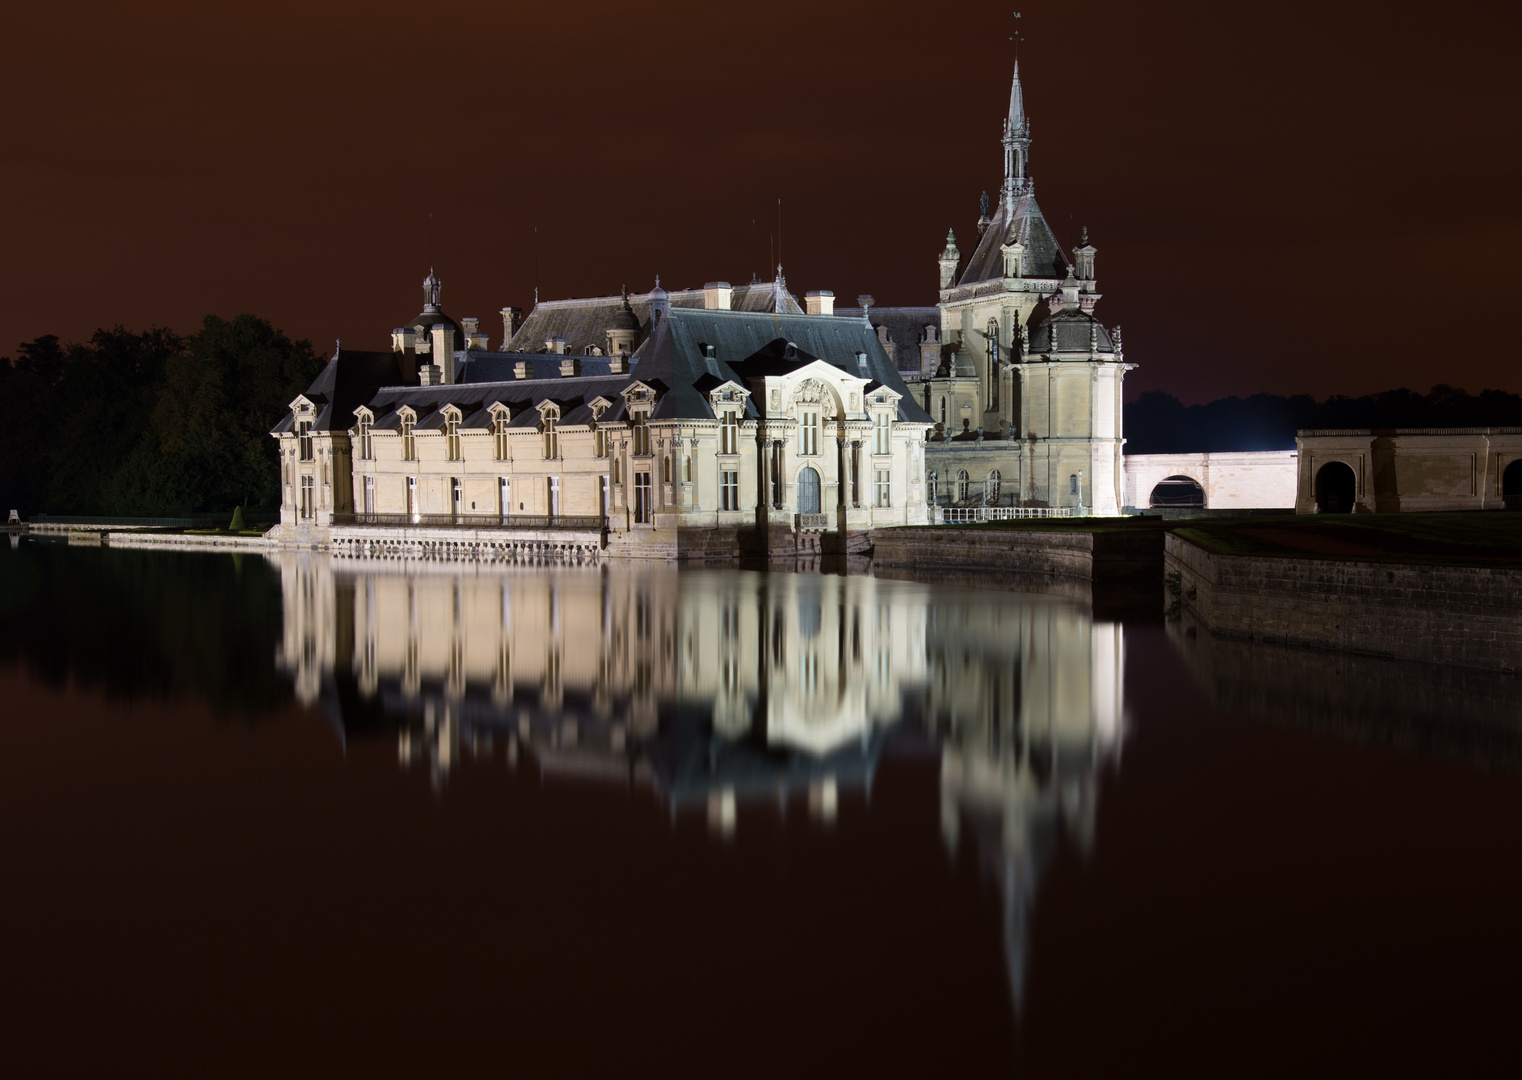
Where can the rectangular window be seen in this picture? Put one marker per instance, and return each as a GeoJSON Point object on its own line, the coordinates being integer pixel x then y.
{"type": "Point", "coordinates": [457, 498]}
{"type": "Point", "coordinates": [729, 490]}
{"type": "Point", "coordinates": [884, 492]}
{"type": "Point", "coordinates": [882, 431]}
{"type": "Point", "coordinates": [409, 442]}
{"type": "Point", "coordinates": [808, 433]}
{"type": "Point", "coordinates": [304, 438]}
{"type": "Point", "coordinates": [505, 495]}
{"type": "Point", "coordinates": [641, 431]}
{"type": "Point", "coordinates": [412, 507]}
{"type": "Point", "coordinates": [642, 504]}
{"type": "Point", "coordinates": [366, 447]}
{"type": "Point", "coordinates": [599, 442]}
{"type": "Point", "coordinates": [554, 496]}
{"type": "Point", "coordinates": [369, 497]}
{"type": "Point", "coordinates": [452, 439]}
{"type": "Point", "coordinates": [729, 434]}
{"type": "Point", "coordinates": [308, 491]}
{"type": "Point", "coordinates": [499, 435]}
{"type": "Point", "coordinates": [551, 439]}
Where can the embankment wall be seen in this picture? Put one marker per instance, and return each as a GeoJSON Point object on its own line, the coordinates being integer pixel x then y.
{"type": "Point", "coordinates": [1463, 615]}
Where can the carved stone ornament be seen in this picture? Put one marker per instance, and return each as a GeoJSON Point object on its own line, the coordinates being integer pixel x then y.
{"type": "Point", "coordinates": [811, 392]}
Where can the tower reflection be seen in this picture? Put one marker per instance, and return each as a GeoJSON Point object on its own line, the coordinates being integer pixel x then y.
{"type": "Point", "coordinates": [725, 693]}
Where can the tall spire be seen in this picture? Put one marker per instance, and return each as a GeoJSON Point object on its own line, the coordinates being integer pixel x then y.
{"type": "Point", "coordinates": [1017, 141]}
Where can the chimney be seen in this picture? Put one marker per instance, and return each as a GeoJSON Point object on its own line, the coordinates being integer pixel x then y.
{"type": "Point", "coordinates": [555, 345]}
{"type": "Point", "coordinates": [570, 367]}
{"type": "Point", "coordinates": [474, 339]}
{"type": "Point", "coordinates": [443, 349]}
{"type": "Point", "coordinates": [430, 375]}
{"type": "Point", "coordinates": [520, 369]}
{"type": "Point", "coordinates": [512, 318]}
{"type": "Point", "coordinates": [819, 302]}
{"type": "Point", "coordinates": [402, 339]}
{"type": "Point", "coordinates": [716, 295]}
{"type": "Point", "coordinates": [616, 364]}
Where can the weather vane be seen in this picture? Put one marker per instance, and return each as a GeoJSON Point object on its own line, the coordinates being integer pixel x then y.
{"type": "Point", "coordinates": [1017, 36]}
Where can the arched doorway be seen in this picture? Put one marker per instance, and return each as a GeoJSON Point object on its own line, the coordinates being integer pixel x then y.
{"type": "Point", "coordinates": [962, 484]}
{"type": "Point", "coordinates": [1511, 486]}
{"type": "Point", "coordinates": [1336, 488]}
{"type": "Point", "coordinates": [1177, 493]}
{"type": "Point", "coordinates": [808, 491]}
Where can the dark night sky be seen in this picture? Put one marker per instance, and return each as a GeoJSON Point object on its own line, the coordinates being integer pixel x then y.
{"type": "Point", "coordinates": [1286, 197]}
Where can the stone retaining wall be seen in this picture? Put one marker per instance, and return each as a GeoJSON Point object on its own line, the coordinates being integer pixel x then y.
{"type": "Point", "coordinates": [1468, 616]}
{"type": "Point", "coordinates": [466, 545]}
{"type": "Point", "coordinates": [1091, 556]}
{"type": "Point", "coordinates": [192, 543]}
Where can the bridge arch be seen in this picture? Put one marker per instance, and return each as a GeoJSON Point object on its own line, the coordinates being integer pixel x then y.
{"type": "Point", "coordinates": [1177, 492]}
{"type": "Point", "coordinates": [1511, 486]}
{"type": "Point", "coordinates": [1336, 488]}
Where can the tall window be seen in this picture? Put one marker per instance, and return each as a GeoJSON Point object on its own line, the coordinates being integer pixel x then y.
{"type": "Point", "coordinates": [641, 432]}
{"type": "Point", "coordinates": [882, 433]}
{"type": "Point", "coordinates": [412, 504]}
{"type": "Point", "coordinates": [308, 493]}
{"type": "Point", "coordinates": [729, 490]}
{"type": "Point", "coordinates": [505, 495]}
{"type": "Point", "coordinates": [452, 438]}
{"type": "Point", "coordinates": [366, 445]}
{"type": "Point", "coordinates": [409, 441]}
{"type": "Point", "coordinates": [808, 433]}
{"type": "Point", "coordinates": [599, 442]}
{"type": "Point", "coordinates": [499, 435]}
{"type": "Point", "coordinates": [642, 506]}
{"type": "Point", "coordinates": [943, 412]}
{"type": "Point", "coordinates": [304, 439]}
{"type": "Point", "coordinates": [551, 437]}
{"type": "Point", "coordinates": [456, 497]}
{"type": "Point", "coordinates": [554, 496]}
{"type": "Point", "coordinates": [993, 362]}
{"type": "Point", "coordinates": [1073, 484]}
{"type": "Point", "coordinates": [884, 487]}
{"type": "Point", "coordinates": [369, 497]}
{"type": "Point", "coordinates": [729, 433]}
{"type": "Point", "coordinates": [961, 485]}
{"type": "Point", "coordinates": [993, 486]}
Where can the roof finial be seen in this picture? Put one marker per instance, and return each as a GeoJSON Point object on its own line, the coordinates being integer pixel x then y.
{"type": "Point", "coordinates": [338, 344]}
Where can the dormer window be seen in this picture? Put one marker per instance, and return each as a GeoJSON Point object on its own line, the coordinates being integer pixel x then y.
{"type": "Point", "coordinates": [409, 441]}
{"type": "Point", "coordinates": [499, 434]}
{"type": "Point", "coordinates": [551, 436]}
{"type": "Point", "coordinates": [452, 436]}
{"type": "Point", "coordinates": [366, 440]}
{"type": "Point", "coordinates": [882, 432]}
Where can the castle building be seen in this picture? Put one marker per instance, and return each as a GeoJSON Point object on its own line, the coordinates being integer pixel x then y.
{"type": "Point", "coordinates": [712, 422]}
{"type": "Point", "coordinates": [1022, 381]}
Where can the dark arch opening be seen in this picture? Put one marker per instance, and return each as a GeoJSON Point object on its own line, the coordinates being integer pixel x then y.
{"type": "Point", "coordinates": [1336, 488]}
{"type": "Point", "coordinates": [1179, 493]}
{"type": "Point", "coordinates": [1511, 486]}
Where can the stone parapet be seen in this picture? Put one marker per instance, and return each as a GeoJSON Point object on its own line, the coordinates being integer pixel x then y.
{"type": "Point", "coordinates": [1094, 556]}
{"type": "Point", "coordinates": [1461, 615]}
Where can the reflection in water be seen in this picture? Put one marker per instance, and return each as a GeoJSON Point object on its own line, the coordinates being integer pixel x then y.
{"type": "Point", "coordinates": [723, 690]}
{"type": "Point", "coordinates": [1457, 713]}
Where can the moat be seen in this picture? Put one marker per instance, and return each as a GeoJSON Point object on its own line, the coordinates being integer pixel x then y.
{"type": "Point", "coordinates": [264, 811]}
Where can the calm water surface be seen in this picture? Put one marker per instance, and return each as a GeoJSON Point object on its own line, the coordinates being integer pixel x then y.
{"type": "Point", "coordinates": [273, 816]}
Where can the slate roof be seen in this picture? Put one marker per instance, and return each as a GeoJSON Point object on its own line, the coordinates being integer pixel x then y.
{"type": "Point", "coordinates": [747, 346]}
{"type": "Point", "coordinates": [349, 379]}
{"type": "Point", "coordinates": [1072, 333]}
{"type": "Point", "coordinates": [906, 329]}
{"type": "Point", "coordinates": [583, 324]}
{"type": "Point", "coordinates": [573, 395]}
{"type": "Point", "coordinates": [1023, 221]}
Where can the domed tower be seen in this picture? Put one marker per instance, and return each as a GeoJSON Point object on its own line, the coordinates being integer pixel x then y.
{"type": "Point", "coordinates": [1070, 372]}
{"type": "Point", "coordinates": [623, 329]}
{"type": "Point", "coordinates": [432, 336]}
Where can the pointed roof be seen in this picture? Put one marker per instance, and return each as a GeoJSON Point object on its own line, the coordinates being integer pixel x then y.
{"type": "Point", "coordinates": [1016, 103]}
{"type": "Point", "coordinates": [1021, 220]}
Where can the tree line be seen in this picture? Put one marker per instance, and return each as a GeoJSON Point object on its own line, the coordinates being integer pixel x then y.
{"type": "Point", "coordinates": [1158, 423]}
{"type": "Point", "coordinates": [149, 424]}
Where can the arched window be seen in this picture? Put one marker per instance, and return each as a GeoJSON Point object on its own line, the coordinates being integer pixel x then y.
{"type": "Point", "coordinates": [452, 437]}
{"type": "Point", "coordinates": [1336, 488]}
{"type": "Point", "coordinates": [1073, 484]}
{"type": "Point", "coordinates": [808, 491]}
{"type": "Point", "coordinates": [993, 488]}
{"type": "Point", "coordinates": [409, 441]}
{"type": "Point", "coordinates": [962, 479]}
{"type": "Point", "coordinates": [551, 436]}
